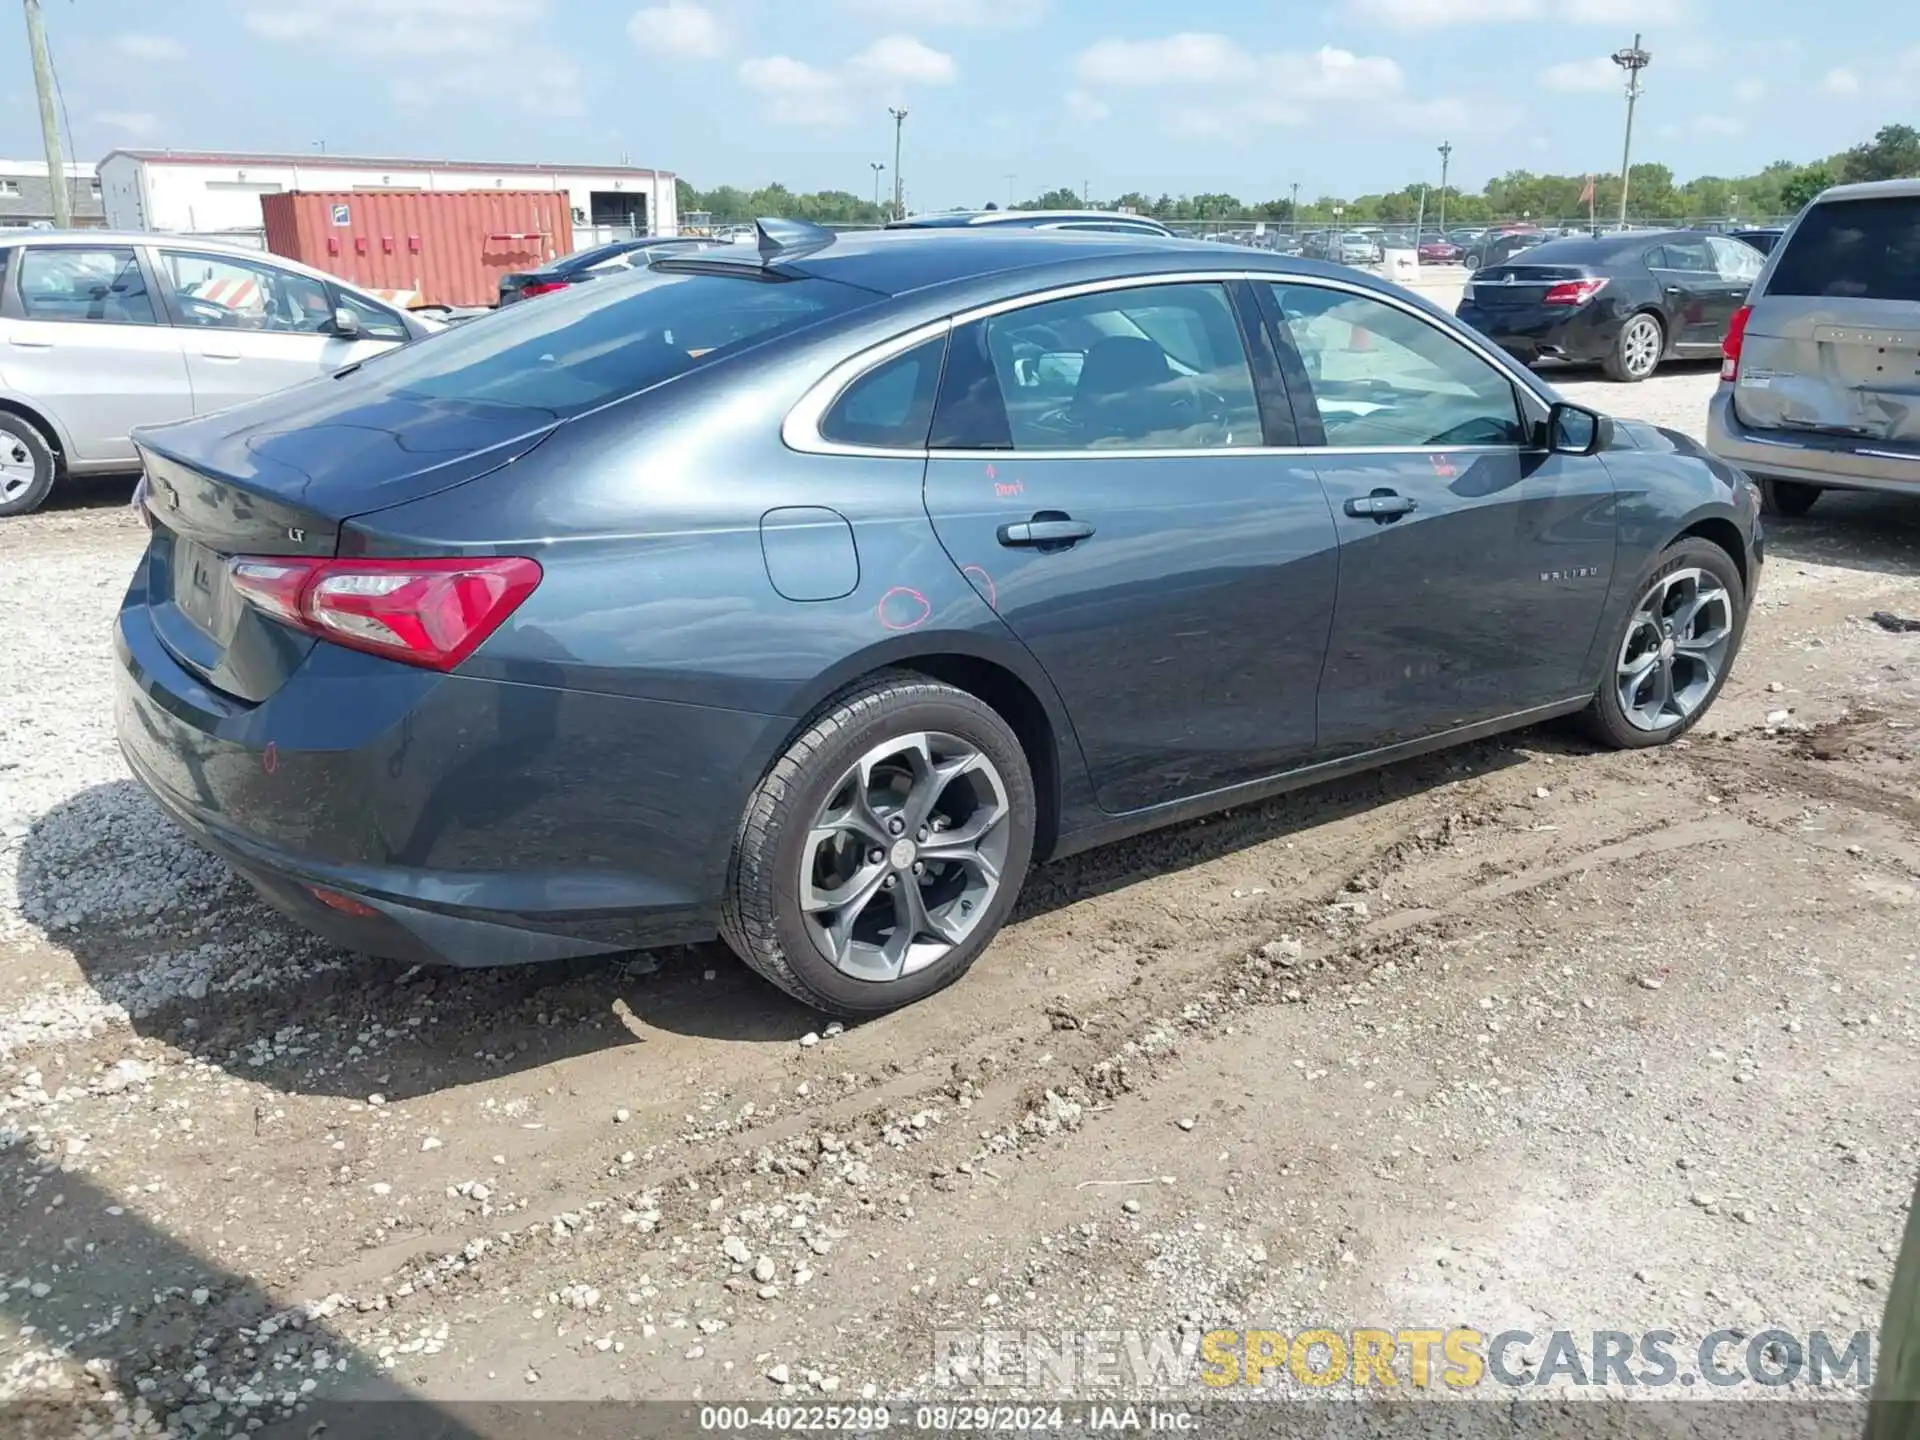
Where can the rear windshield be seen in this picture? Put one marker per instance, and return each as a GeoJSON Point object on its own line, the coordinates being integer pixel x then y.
{"type": "Point", "coordinates": [1860, 249]}
{"type": "Point", "coordinates": [571, 351]}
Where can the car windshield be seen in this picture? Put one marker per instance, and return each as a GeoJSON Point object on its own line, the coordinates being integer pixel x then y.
{"type": "Point", "coordinates": [1860, 249]}
{"type": "Point", "coordinates": [577, 350]}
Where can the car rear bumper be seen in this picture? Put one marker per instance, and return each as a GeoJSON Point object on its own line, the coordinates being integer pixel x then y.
{"type": "Point", "coordinates": [447, 819]}
{"type": "Point", "coordinates": [1545, 333]}
{"type": "Point", "coordinates": [1838, 461]}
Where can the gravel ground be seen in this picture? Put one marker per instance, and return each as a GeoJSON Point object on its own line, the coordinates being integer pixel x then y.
{"type": "Point", "coordinates": [1522, 1036]}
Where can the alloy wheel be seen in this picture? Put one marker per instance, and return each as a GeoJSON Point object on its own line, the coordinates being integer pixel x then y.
{"type": "Point", "coordinates": [17, 468]}
{"type": "Point", "coordinates": [1675, 649]}
{"type": "Point", "coordinates": [905, 856]}
{"type": "Point", "coordinates": [1640, 345]}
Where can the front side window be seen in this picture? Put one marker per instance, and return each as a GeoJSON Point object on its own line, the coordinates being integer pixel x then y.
{"type": "Point", "coordinates": [1384, 377]}
{"type": "Point", "coordinates": [221, 293]}
{"type": "Point", "coordinates": [1156, 367]}
{"type": "Point", "coordinates": [103, 284]}
{"type": "Point", "coordinates": [891, 406]}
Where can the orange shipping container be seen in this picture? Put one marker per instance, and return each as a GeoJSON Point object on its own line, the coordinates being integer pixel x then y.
{"type": "Point", "coordinates": [439, 247]}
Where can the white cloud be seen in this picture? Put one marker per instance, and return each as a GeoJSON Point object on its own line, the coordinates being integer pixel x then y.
{"type": "Point", "coordinates": [1436, 14]}
{"type": "Point", "coordinates": [1332, 74]}
{"type": "Point", "coordinates": [1443, 14]}
{"type": "Point", "coordinates": [1748, 91]}
{"type": "Point", "coordinates": [149, 47]}
{"type": "Point", "coordinates": [1583, 76]}
{"type": "Point", "coordinates": [1720, 125]}
{"type": "Point", "coordinates": [1086, 108]}
{"type": "Point", "coordinates": [972, 14]}
{"type": "Point", "coordinates": [1840, 81]}
{"type": "Point", "coordinates": [136, 123]}
{"type": "Point", "coordinates": [1192, 58]}
{"type": "Point", "coordinates": [677, 28]}
{"type": "Point", "coordinates": [798, 93]}
{"type": "Point", "coordinates": [480, 51]}
{"type": "Point", "coordinates": [903, 59]}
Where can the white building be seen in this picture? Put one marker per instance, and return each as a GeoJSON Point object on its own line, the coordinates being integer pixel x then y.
{"type": "Point", "coordinates": [212, 193]}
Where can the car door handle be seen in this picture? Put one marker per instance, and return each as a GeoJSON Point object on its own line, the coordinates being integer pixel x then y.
{"type": "Point", "coordinates": [219, 354]}
{"type": "Point", "coordinates": [27, 343]}
{"type": "Point", "coordinates": [1045, 532]}
{"type": "Point", "coordinates": [1381, 505]}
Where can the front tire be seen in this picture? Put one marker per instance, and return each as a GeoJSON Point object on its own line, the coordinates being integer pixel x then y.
{"type": "Point", "coordinates": [1670, 656]}
{"type": "Point", "coordinates": [26, 466]}
{"type": "Point", "coordinates": [884, 849]}
{"type": "Point", "coordinates": [1636, 349]}
{"type": "Point", "coordinates": [1787, 497]}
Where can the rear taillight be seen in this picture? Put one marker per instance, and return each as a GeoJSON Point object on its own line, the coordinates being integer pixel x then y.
{"type": "Point", "coordinates": [1736, 339]}
{"type": "Point", "coordinates": [1573, 292]}
{"type": "Point", "coordinates": [543, 287]}
{"type": "Point", "coordinates": [429, 612]}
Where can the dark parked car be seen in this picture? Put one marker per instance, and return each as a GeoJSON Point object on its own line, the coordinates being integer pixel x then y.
{"type": "Point", "coordinates": [1626, 300]}
{"type": "Point", "coordinates": [1106, 221]}
{"type": "Point", "coordinates": [809, 593]}
{"type": "Point", "coordinates": [584, 265]}
{"type": "Point", "coordinates": [1495, 247]}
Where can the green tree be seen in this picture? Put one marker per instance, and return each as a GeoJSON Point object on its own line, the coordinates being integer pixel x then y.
{"type": "Point", "coordinates": [1133, 200]}
{"type": "Point", "coordinates": [1807, 182]}
{"type": "Point", "coordinates": [1892, 154]}
{"type": "Point", "coordinates": [1061, 198]}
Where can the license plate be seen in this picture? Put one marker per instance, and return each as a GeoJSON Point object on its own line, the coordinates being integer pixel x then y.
{"type": "Point", "coordinates": [199, 584]}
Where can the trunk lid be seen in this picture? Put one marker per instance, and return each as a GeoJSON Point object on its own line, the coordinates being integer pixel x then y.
{"type": "Point", "coordinates": [279, 477]}
{"type": "Point", "coordinates": [1832, 344]}
{"type": "Point", "coordinates": [1519, 287]}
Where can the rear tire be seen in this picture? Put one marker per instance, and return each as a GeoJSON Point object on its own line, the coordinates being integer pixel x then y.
{"type": "Point", "coordinates": [882, 792]}
{"type": "Point", "coordinates": [27, 468]}
{"type": "Point", "coordinates": [1636, 349]}
{"type": "Point", "coordinates": [1667, 639]}
{"type": "Point", "coordinates": [1787, 497]}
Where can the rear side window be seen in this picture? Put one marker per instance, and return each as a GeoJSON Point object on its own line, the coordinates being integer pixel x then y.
{"type": "Point", "coordinates": [891, 406]}
{"type": "Point", "coordinates": [579, 349]}
{"type": "Point", "coordinates": [1158, 367]}
{"type": "Point", "coordinates": [1859, 249]}
{"type": "Point", "coordinates": [103, 284]}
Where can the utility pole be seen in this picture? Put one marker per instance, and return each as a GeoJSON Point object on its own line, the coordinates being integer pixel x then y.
{"type": "Point", "coordinates": [876, 166]}
{"type": "Point", "coordinates": [1293, 212]}
{"type": "Point", "coordinates": [1446, 155]}
{"type": "Point", "coordinates": [49, 123]}
{"type": "Point", "coordinates": [1633, 61]}
{"type": "Point", "coordinates": [899, 114]}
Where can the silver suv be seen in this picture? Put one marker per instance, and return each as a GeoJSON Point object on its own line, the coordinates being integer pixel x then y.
{"type": "Point", "coordinates": [102, 332]}
{"type": "Point", "coordinates": [1820, 388]}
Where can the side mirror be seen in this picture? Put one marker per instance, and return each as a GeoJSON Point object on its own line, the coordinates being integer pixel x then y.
{"type": "Point", "coordinates": [1576, 430]}
{"type": "Point", "coordinates": [346, 324]}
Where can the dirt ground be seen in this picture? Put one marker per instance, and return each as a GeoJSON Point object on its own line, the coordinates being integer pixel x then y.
{"type": "Point", "coordinates": [1524, 1036]}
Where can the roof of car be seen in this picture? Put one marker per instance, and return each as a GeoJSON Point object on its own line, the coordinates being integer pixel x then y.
{"type": "Point", "coordinates": [1576, 249]}
{"type": "Point", "coordinates": [896, 262]}
{"type": "Point", "coordinates": [956, 219]}
{"type": "Point", "coordinates": [1870, 190]}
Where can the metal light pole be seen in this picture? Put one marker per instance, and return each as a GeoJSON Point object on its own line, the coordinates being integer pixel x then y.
{"type": "Point", "coordinates": [899, 190]}
{"type": "Point", "coordinates": [49, 124]}
{"type": "Point", "coordinates": [876, 166]}
{"type": "Point", "coordinates": [1010, 178]}
{"type": "Point", "coordinates": [1294, 213]}
{"type": "Point", "coordinates": [1446, 155]}
{"type": "Point", "coordinates": [1632, 60]}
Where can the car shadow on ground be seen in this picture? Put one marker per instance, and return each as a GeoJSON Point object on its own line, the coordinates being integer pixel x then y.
{"type": "Point", "coordinates": [89, 492]}
{"type": "Point", "coordinates": [252, 993]}
{"type": "Point", "coordinates": [131, 1305]}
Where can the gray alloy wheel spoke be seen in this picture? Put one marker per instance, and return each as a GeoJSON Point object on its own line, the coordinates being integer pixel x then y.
{"type": "Point", "coordinates": [1675, 649]}
{"type": "Point", "coordinates": [1642, 345]}
{"type": "Point", "coordinates": [905, 856]}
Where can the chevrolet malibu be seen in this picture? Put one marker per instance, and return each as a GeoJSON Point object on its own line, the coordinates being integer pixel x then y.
{"type": "Point", "coordinates": [811, 592]}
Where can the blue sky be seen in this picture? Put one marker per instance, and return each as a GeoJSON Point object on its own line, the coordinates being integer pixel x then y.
{"type": "Point", "coordinates": [1248, 96]}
